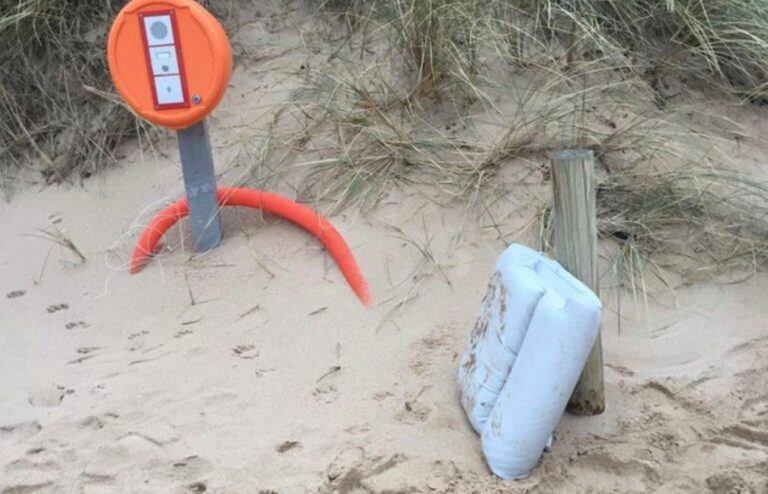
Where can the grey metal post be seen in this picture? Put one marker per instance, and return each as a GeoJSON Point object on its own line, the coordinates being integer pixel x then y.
{"type": "Point", "coordinates": [200, 182]}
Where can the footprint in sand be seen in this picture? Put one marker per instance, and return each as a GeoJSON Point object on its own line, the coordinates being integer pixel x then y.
{"type": "Point", "coordinates": [197, 488]}
{"type": "Point", "coordinates": [191, 469]}
{"type": "Point", "coordinates": [637, 475]}
{"type": "Point", "coordinates": [97, 480]}
{"type": "Point", "coordinates": [357, 430]}
{"type": "Point", "coordinates": [288, 446]}
{"type": "Point", "coordinates": [382, 395]}
{"type": "Point", "coordinates": [728, 483]}
{"type": "Point", "coordinates": [436, 350]}
{"type": "Point", "coordinates": [87, 353]}
{"type": "Point", "coordinates": [262, 372]}
{"type": "Point", "coordinates": [353, 471]}
{"type": "Point", "coordinates": [245, 352]}
{"type": "Point", "coordinates": [76, 325]}
{"type": "Point", "coordinates": [56, 308]}
{"type": "Point", "coordinates": [93, 423]}
{"type": "Point", "coordinates": [21, 431]}
{"type": "Point", "coordinates": [49, 396]}
{"type": "Point", "coordinates": [754, 411]}
{"type": "Point", "coordinates": [26, 488]}
{"type": "Point", "coordinates": [416, 408]}
{"type": "Point", "coordinates": [327, 393]}
{"type": "Point", "coordinates": [754, 437]}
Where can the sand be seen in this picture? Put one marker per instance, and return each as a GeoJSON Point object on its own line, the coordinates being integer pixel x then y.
{"type": "Point", "coordinates": [253, 369]}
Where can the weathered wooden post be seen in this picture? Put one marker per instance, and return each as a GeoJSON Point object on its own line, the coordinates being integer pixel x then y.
{"type": "Point", "coordinates": [575, 224]}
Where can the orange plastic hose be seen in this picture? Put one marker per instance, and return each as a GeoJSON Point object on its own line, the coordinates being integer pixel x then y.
{"type": "Point", "coordinates": [300, 215]}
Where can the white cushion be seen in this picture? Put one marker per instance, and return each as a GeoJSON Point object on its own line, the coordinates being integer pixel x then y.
{"type": "Point", "coordinates": [532, 338]}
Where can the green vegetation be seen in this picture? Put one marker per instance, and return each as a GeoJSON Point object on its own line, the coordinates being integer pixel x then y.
{"type": "Point", "coordinates": [449, 92]}
{"type": "Point", "coordinates": [52, 74]}
{"type": "Point", "coordinates": [611, 76]}
{"type": "Point", "coordinates": [57, 104]}
{"type": "Point", "coordinates": [702, 40]}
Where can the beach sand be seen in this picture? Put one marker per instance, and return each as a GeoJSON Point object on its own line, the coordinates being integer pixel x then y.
{"type": "Point", "coordinates": [252, 368]}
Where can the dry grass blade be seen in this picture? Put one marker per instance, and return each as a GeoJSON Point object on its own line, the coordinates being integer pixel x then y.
{"type": "Point", "coordinates": [53, 50]}
{"type": "Point", "coordinates": [539, 75]}
{"type": "Point", "coordinates": [61, 238]}
{"type": "Point", "coordinates": [696, 222]}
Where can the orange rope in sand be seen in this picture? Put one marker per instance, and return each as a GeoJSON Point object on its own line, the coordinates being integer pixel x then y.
{"type": "Point", "coordinates": [300, 215]}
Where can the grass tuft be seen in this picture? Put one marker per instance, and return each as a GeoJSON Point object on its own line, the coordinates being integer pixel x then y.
{"type": "Point", "coordinates": [53, 70]}
{"type": "Point", "coordinates": [516, 81]}
{"type": "Point", "coordinates": [695, 222]}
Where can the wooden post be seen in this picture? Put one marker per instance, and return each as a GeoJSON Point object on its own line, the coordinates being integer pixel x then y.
{"type": "Point", "coordinates": [575, 220]}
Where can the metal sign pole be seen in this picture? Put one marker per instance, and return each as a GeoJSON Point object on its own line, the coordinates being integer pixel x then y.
{"type": "Point", "coordinates": [188, 64]}
{"type": "Point", "coordinates": [200, 182]}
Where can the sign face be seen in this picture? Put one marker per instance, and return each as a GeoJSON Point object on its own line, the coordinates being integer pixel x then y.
{"type": "Point", "coordinates": [170, 60]}
{"type": "Point", "coordinates": [164, 62]}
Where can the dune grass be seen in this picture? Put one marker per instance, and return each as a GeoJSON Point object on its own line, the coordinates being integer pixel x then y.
{"type": "Point", "coordinates": [704, 41]}
{"type": "Point", "coordinates": [447, 93]}
{"type": "Point", "coordinates": [52, 70]}
{"type": "Point", "coordinates": [547, 75]}
{"type": "Point", "coordinates": [58, 109]}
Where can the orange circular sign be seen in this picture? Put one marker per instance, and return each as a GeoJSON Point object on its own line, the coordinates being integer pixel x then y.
{"type": "Point", "coordinates": [170, 60]}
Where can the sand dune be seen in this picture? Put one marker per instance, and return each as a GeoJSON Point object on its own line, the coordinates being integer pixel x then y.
{"type": "Point", "coordinates": [254, 369]}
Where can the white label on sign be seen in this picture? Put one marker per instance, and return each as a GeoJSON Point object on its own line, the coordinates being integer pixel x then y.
{"type": "Point", "coordinates": [164, 61]}
{"type": "Point", "coordinates": [169, 90]}
{"type": "Point", "coordinates": [159, 30]}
